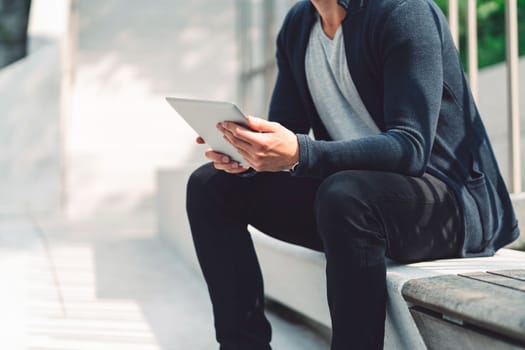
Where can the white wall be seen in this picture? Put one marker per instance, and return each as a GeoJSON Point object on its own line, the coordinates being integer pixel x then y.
{"type": "Point", "coordinates": [130, 55]}
{"type": "Point", "coordinates": [29, 134]}
{"type": "Point", "coordinates": [31, 109]}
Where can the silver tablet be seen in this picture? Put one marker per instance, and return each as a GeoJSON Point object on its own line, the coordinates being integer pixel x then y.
{"type": "Point", "coordinates": [203, 117]}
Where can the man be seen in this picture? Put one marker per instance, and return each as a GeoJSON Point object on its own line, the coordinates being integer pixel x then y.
{"type": "Point", "coordinates": [401, 166]}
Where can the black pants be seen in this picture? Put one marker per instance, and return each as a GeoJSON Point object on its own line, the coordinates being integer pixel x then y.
{"type": "Point", "coordinates": [354, 217]}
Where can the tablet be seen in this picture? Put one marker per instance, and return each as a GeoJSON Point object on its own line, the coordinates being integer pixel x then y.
{"type": "Point", "coordinates": [203, 116]}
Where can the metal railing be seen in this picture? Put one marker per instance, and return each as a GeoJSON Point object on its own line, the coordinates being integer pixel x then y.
{"type": "Point", "coordinates": [511, 38]}
{"type": "Point", "coordinates": [511, 20]}
{"type": "Point", "coordinates": [266, 69]}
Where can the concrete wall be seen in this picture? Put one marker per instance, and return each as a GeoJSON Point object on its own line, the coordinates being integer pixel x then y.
{"type": "Point", "coordinates": [32, 92]}
{"type": "Point", "coordinates": [129, 56]}
{"type": "Point", "coordinates": [100, 160]}
{"type": "Point", "coordinates": [29, 134]}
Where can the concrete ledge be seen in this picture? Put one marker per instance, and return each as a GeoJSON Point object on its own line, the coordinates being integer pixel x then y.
{"type": "Point", "coordinates": [172, 223]}
{"type": "Point", "coordinates": [294, 276]}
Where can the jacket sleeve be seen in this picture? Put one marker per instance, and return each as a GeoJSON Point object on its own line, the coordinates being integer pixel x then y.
{"type": "Point", "coordinates": [408, 42]}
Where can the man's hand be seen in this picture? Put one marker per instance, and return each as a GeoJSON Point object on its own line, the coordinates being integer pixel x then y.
{"type": "Point", "coordinates": [268, 146]}
{"type": "Point", "coordinates": [221, 161]}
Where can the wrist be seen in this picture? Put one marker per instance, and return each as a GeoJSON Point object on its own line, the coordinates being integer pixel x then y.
{"type": "Point", "coordinates": [295, 158]}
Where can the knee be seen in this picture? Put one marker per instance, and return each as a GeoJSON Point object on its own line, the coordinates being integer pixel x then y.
{"type": "Point", "coordinates": [198, 179]}
{"type": "Point", "coordinates": [345, 209]}
{"type": "Point", "coordinates": [199, 186]}
{"type": "Point", "coordinates": [347, 220]}
{"type": "Point", "coordinates": [339, 196]}
{"type": "Point", "coordinates": [210, 190]}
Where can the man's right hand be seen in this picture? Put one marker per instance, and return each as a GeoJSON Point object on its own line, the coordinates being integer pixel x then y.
{"type": "Point", "coordinates": [221, 161]}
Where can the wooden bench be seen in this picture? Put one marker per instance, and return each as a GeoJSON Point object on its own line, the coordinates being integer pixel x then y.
{"type": "Point", "coordinates": [410, 310]}
{"type": "Point", "coordinates": [477, 310]}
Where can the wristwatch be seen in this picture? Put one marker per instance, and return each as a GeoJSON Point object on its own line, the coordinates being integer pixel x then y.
{"type": "Point", "coordinates": [292, 169]}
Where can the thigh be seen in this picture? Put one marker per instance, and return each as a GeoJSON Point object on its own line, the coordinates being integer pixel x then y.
{"type": "Point", "coordinates": [277, 204]}
{"type": "Point", "coordinates": [282, 206]}
{"type": "Point", "coordinates": [419, 217]}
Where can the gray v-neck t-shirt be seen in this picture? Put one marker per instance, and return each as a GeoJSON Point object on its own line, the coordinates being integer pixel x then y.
{"type": "Point", "coordinates": [333, 91]}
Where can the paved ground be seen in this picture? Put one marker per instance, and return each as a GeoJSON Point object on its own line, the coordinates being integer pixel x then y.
{"type": "Point", "coordinates": [85, 286]}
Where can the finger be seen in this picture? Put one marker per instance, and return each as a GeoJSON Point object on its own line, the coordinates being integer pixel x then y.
{"type": "Point", "coordinates": [233, 167]}
{"type": "Point", "coordinates": [259, 124]}
{"type": "Point", "coordinates": [248, 157]}
{"type": "Point", "coordinates": [200, 140]}
{"type": "Point", "coordinates": [237, 170]}
{"type": "Point", "coordinates": [224, 162]}
{"type": "Point", "coordinates": [237, 142]}
{"type": "Point", "coordinates": [230, 127]}
{"type": "Point", "coordinates": [217, 157]}
{"type": "Point", "coordinates": [225, 131]}
{"type": "Point", "coordinates": [245, 154]}
{"type": "Point", "coordinates": [240, 132]}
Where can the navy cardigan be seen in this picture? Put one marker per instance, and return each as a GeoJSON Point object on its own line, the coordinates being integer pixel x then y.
{"type": "Point", "coordinates": [407, 71]}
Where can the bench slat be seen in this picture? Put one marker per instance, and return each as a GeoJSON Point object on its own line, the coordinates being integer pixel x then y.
{"type": "Point", "coordinates": [485, 305]}
{"type": "Point", "coordinates": [499, 280]}
{"type": "Point", "coordinates": [516, 274]}
{"type": "Point", "coordinates": [440, 334]}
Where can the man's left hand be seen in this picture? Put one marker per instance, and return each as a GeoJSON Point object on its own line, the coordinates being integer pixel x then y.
{"type": "Point", "coordinates": [268, 146]}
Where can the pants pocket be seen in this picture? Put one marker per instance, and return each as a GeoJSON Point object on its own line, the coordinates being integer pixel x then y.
{"type": "Point", "coordinates": [478, 189]}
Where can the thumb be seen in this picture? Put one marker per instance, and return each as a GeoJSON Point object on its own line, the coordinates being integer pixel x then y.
{"type": "Point", "coordinates": [259, 124]}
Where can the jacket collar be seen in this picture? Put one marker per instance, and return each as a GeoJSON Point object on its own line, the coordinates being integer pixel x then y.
{"type": "Point", "coordinates": [352, 5]}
